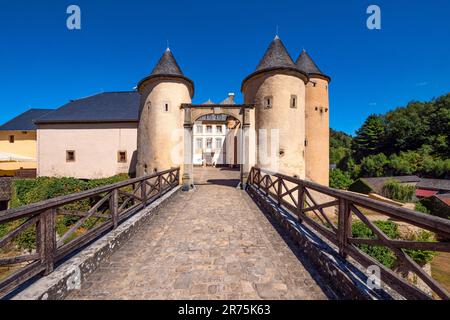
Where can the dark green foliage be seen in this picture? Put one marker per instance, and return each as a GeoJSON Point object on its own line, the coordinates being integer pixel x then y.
{"type": "Point", "coordinates": [340, 146]}
{"type": "Point", "coordinates": [422, 256]}
{"type": "Point", "coordinates": [412, 140]}
{"type": "Point", "coordinates": [396, 191]}
{"type": "Point", "coordinates": [373, 165]}
{"type": "Point", "coordinates": [370, 137]}
{"type": "Point", "coordinates": [381, 254]}
{"type": "Point", "coordinates": [421, 208]}
{"type": "Point", "coordinates": [31, 191]}
{"type": "Point", "coordinates": [340, 179]}
{"type": "Point", "coordinates": [385, 255]}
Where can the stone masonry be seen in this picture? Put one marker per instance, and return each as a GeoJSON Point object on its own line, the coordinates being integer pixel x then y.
{"type": "Point", "coordinates": [211, 243]}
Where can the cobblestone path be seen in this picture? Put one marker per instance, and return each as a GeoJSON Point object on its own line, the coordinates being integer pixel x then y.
{"type": "Point", "coordinates": [212, 243]}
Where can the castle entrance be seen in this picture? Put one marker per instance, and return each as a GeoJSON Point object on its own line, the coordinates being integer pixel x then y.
{"type": "Point", "coordinates": [216, 146]}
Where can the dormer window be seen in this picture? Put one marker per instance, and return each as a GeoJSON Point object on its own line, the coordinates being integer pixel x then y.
{"type": "Point", "coordinates": [294, 101]}
{"type": "Point", "coordinates": [268, 102]}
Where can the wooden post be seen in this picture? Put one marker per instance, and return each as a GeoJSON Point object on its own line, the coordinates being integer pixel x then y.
{"type": "Point", "coordinates": [159, 186]}
{"type": "Point", "coordinates": [344, 226]}
{"type": "Point", "coordinates": [114, 207]}
{"type": "Point", "coordinates": [279, 189]}
{"type": "Point", "coordinates": [300, 201]}
{"type": "Point", "coordinates": [144, 192]}
{"type": "Point", "coordinates": [46, 235]}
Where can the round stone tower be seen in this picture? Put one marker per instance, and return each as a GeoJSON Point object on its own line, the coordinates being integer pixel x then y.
{"type": "Point", "coordinates": [317, 121]}
{"type": "Point", "coordinates": [160, 131]}
{"type": "Point", "coordinates": [277, 88]}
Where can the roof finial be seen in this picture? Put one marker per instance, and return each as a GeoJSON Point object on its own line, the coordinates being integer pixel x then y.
{"type": "Point", "coordinates": [168, 47]}
{"type": "Point", "coordinates": [276, 35]}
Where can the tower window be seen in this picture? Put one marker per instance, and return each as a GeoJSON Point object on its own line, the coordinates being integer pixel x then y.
{"type": "Point", "coordinates": [208, 129]}
{"type": "Point", "coordinates": [70, 156]}
{"type": "Point", "coordinates": [11, 139]}
{"type": "Point", "coordinates": [199, 128]}
{"type": "Point", "coordinates": [294, 101]}
{"type": "Point", "coordinates": [268, 102]}
{"type": "Point", "coordinates": [219, 129]}
{"type": "Point", "coordinates": [166, 106]}
{"type": "Point", "coordinates": [122, 157]}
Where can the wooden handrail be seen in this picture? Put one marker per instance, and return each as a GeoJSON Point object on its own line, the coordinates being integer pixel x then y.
{"type": "Point", "coordinates": [112, 206]}
{"type": "Point", "coordinates": [273, 185]}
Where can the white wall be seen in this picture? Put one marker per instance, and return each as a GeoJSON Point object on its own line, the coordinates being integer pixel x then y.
{"type": "Point", "coordinates": [96, 149]}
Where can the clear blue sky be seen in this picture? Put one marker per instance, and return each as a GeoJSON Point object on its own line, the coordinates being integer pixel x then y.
{"type": "Point", "coordinates": [217, 44]}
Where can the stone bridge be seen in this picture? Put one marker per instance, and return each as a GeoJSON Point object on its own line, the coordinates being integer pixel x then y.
{"type": "Point", "coordinates": [215, 242]}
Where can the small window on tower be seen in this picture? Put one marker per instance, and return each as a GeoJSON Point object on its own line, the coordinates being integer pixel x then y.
{"type": "Point", "coordinates": [166, 106]}
{"type": "Point", "coordinates": [70, 156]}
{"type": "Point", "coordinates": [268, 102]}
{"type": "Point", "coordinates": [293, 101]}
{"type": "Point", "coordinates": [122, 157]}
{"type": "Point", "coordinates": [11, 139]}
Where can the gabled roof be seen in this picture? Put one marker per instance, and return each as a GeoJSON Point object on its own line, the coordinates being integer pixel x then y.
{"type": "Point", "coordinates": [306, 64]}
{"type": "Point", "coordinates": [275, 56]}
{"type": "Point", "coordinates": [25, 121]}
{"type": "Point", "coordinates": [167, 65]}
{"type": "Point", "coordinates": [103, 107]}
{"type": "Point", "coordinates": [376, 184]}
{"type": "Point", "coordinates": [445, 198]}
{"type": "Point", "coordinates": [434, 184]}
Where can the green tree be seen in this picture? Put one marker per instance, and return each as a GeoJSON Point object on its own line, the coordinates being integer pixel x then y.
{"type": "Point", "coordinates": [369, 138]}
{"type": "Point", "coordinates": [340, 179]}
{"type": "Point", "coordinates": [374, 165]}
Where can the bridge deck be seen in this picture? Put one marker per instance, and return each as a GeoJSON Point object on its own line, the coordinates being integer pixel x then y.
{"type": "Point", "coordinates": [213, 243]}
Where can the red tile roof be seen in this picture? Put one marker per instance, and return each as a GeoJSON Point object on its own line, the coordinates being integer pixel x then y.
{"type": "Point", "coordinates": [425, 193]}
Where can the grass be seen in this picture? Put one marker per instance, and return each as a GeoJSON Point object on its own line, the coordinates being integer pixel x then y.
{"type": "Point", "coordinates": [440, 269]}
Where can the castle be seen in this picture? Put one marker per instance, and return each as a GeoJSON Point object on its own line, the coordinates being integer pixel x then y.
{"type": "Point", "coordinates": [283, 124]}
{"type": "Point", "coordinates": [281, 98]}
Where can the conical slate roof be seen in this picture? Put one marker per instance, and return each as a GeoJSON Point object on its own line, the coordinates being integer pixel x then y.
{"type": "Point", "coordinates": [167, 65]}
{"type": "Point", "coordinates": [276, 56]}
{"type": "Point", "coordinates": [306, 64]}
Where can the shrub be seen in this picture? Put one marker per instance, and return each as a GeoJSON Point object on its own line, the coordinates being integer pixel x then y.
{"type": "Point", "coordinates": [340, 179]}
{"type": "Point", "coordinates": [421, 208]}
{"type": "Point", "coordinates": [31, 191]}
{"type": "Point", "coordinates": [380, 253]}
{"type": "Point", "coordinates": [422, 256]}
{"type": "Point", "coordinates": [396, 191]}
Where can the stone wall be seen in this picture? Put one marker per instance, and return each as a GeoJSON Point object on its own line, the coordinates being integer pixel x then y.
{"type": "Point", "coordinates": [5, 189]}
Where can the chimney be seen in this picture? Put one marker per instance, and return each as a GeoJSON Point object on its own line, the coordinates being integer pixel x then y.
{"type": "Point", "coordinates": [231, 97]}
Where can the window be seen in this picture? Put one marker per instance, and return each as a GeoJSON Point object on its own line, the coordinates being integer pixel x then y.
{"type": "Point", "coordinates": [166, 106]}
{"type": "Point", "coordinates": [122, 157]}
{"type": "Point", "coordinates": [199, 143]}
{"type": "Point", "coordinates": [219, 129]}
{"type": "Point", "coordinates": [218, 143]}
{"type": "Point", "coordinates": [208, 129]}
{"type": "Point", "coordinates": [70, 156]}
{"type": "Point", "coordinates": [199, 129]}
{"type": "Point", "coordinates": [11, 139]}
{"type": "Point", "coordinates": [209, 143]}
{"type": "Point", "coordinates": [268, 102]}
{"type": "Point", "coordinates": [293, 101]}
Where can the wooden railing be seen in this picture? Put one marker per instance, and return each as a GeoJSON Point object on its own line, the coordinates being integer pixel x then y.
{"type": "Point", "coordinates": [333, 217]}
{"type": "Point", "coordinates": [103, 209]}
